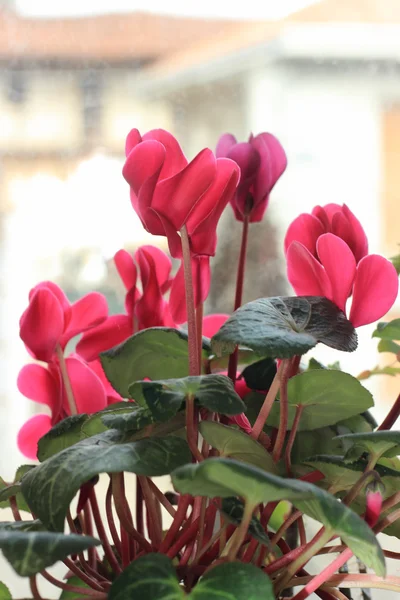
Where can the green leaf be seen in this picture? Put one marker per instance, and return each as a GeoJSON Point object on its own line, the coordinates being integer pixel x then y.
{"type": "Point", "coordinates": [377, 443]}
{"type": "Point", "coordinates": [154, 353]}
{"type": "Point", "coordinates": [34, 525]}
{"type": "Point", "coordinates": [233, 508]}
{"type": "Point", "coordinates": [129, 420]}
{"type": "Point", "coordinates": [233, 581]}
{"type": "Point", "coordinates": [153, 577]}
{"type": "Point", "coordinates": [31, 552]}
{"type": "Point", "coordinates": [388, 330]}
{"type": "Point", "coordinates": [226, 477]}
{"type": "Point", "coordinates": [65, 595]}
{"type": "Point", "coordinates": [150, 577]}
{"type": "Point", "coordinates": [4, 592]}
{"type": "Point", "coordinates": [260, 375]}
{"type": "Point", "coordinates": [389, 346]}
{"type": "Point", "coordinates": [236, 444]}
{"type": "Point", "coordinates": [339, 477]}
{"type": "Point", "coordinates": [245, 357]}
{"type": "Point", "coordinates": [14, 489]}
{"type": "Point", "coordinates": [327, 396]}
{"type": "Point", "coordinates": [63, 435]}
{"type": "Point", "coordinates": [94, 423]}
{"type": "Point", "coordinates": [355, 532]}
{"type": "Point", "coordinates": [50, 487]}
{"type": "Point", "coordinates": [283, 327]}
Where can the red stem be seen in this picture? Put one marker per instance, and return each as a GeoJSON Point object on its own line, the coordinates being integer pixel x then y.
{"type": "Point", "coordinates": [108, 551]}
{"type": "Point", "coordinates": [123, 512]}
{"type": "Point", "coordinates": [82, 575]}
{"type": "Point", "coordinates": [73, 588]}
{"type": "Point", "coordinates": [322, 577]}
{"type": "Point", "coordinates": [154, 524]}
{"type": "Point", "coordinates": [14, 508]}
{"type": "Point", "coordinates": [284, 412]}
{"type": "Point", "coordinates": [233, 359]}
{"type": "Point", "coordinates": [180, 516]}
{"type": "Point", "coordinates": [391, 417]}
{"type": "Point", "coordinates": [139, 507]}
{"type": "Point", "coordinates": [267, 405]}
{"type": "Point", "coordinates": [161, 498]}
{"type": "Point", "coordinates": [34, 588]}
{"type": "Point", "coordinates": [190, 306]}
{"type": "Point", "coordinates": [88, 529]}
{"type": "Point", "coordinates": [110, 519]}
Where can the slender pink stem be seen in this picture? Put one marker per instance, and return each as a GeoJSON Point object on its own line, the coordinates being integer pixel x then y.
{"type": "Point", "coordinates": [284, 412]}
{"type": "Point", "coordinates": [154, 514]}
{"type": "Point", "coordinates": [267, 405]}
{"type": "Point", "coordinates": [233, 359]}
{"type": "Point", "coordinates": [110, 519]}
{"type": "Point", "coordinates": [108, 551]}
{"type": "Point", "coordinates": [95, 585]}
{"type": "Point", "coordinates": [34, 588]}
{"type": "Point", "coordinates": [66, 381]}
{"type": "Point", "coordinates": [190, 307]}
{"type": "Point", "coordinates": [73, 588]}
{"type": "Point", "coordinates": [391, 417]}
{"type": "Point", "coordinates": [199, 330]}
{"type": "Point", "coordinates": [180, 517]}
{"type": "Point", "coordinates": [322, 577]}
{"type": "Point", "coordinates": [14, 508]}
{"type": "Point", "coordinates": [161, 498]}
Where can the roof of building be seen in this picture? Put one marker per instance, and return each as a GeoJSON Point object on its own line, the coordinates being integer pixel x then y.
{"type": "Point", "coordinates": [110, 38]}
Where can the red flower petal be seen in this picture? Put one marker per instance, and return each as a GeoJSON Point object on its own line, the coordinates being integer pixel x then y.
{"type": "Point", "coordinates": [162, 264]}
{"type": "Point", "coordinates": [242, 421]}
{"type": "Point", "coordinates": [201, 286]}
{"type": "Point", "coordinates": [112, 395]}
{"type": "Point", "coordinates": [133, 139]}
{"type": "Point", "coordinates": [375, 290]}
{"type": "Point", "coordinates": [42, 324]}
{"type": "Point", "coordinates": [306, 229]}
{"type": "Point", "coordinates": [88, 390]}
{"type": "Point", "coordinates": [175, 160]}
{"type": "Point", "coordinates": [88, 312]}
{"type": "Point", "coordinates": [126, 268]}
{"type": "Point", "coordinates": [273, 164]}
{"type": "Point", "coordinates": [149, 309]}
{"type": "Point", "coordinates": [57, 291]}
{"type": "Point", "coordinates": [38, 384]}
{"type": "Point", "coordinates": [213, 323]}
{"type": "Point", "coordinates": [112, 332]}
{"type": "Point", "coordinates": [305, 273]}
{"type": "Point", "coordinates": [30, 433]}
{"type": "Point", "coordinates": [340, 266]}
{"type": "Point", "coordinates": [360, 243]}
{"type": "Point", "coordinates": [182, 194]}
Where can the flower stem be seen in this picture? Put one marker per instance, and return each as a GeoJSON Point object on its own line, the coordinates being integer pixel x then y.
{"type": "Point", "coordinates": [34, 588]}
{"type": "Point", "coordinates": [284, 412]}
{"type": "Point", "coordinates": [180, 517]}
{"type": "Point", "coordinates": [357, 487]}
{"type": "Point", "coordinates": [199, 332]}
{"type": "Point", "coordinates": [356, 580]}
{"type": "Point", "coordinates": [123, 512]}
{"type": "Point", "coordinates": [238, 537]}
{"type": "Point", "coordinates": [322, 577]}
{"type": "Point", "coordinates": [292, 436]}
{"type": "Point", "coordinates": [73, 588]}
{"type": "Point", "coordinates": [110, 519]}
{"type": "Point", "coordinates": [82, 575]}
{"type": "Point", "coordinates": [108, 551]}
{"type": "Point", "coordinates": [190, 307]}
{"type": "Point", "coordinates": [66, 380]}
{"type": "Point", "coordinates": [154, 524]}
{"type": "Point", "coordinates": [391, 417]}
{"type": "Point", "coordinates": [233, 359]}
{"type": "Point", "coordinates": [267, 405]}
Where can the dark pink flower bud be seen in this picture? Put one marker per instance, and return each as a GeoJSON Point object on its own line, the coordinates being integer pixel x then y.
{"type": "Point", "coordinates": [374, 502]}
{"type": "Point", "coordinates": [262, 161]}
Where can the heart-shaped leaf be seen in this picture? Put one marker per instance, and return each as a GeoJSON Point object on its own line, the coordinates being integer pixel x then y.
{"type": "Point", "coordinates": [327, 397]}
{"type": "Point", "coordinates": [4, 592]}
{"type": "Point", "coordinates": [68, 595]}
{"type": "Point", "coordinates": [260, 374]}
{"type": "Point", "coordinates": [285, 326]}
{"type": "Point", "coordinates": [376, 443]}
{"type": "Point", "coordinates": [233, 581]}
{"type": "Point", "coordinates": [154, 353]}
{"type": "Point", "coordinates": [339, 477]}
{"type": "Point", "coordinates": [233, 508]}
{"type": "Point", "coordinates": [226, 477]}
{"type": "Point", "coordinates": [34, 525]}
{"type": "Point", "coordinates": [355, 532]}
{"type": "Point", "coordinates": [150, 577]}
{"type": "Point", "coordinates": [129, 420]}
{"type": "Point", "coordinates": [236, 444]}
{"type": "Point", "coordinates": [31, 552]}
{"type": "Point", "coordinates": [50, 487]}
{"type": "Point", "coordinates": [14, 489]}
{"type": "Point", "coordinates": [61, 436]}
{"type": "Point", "coordinates": [389, 346]}
{"type": "Point", "coordinates": [153, 577]}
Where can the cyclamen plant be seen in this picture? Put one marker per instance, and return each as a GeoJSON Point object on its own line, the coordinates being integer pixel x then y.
{"type": "Point", "coordinates": [255, 439]}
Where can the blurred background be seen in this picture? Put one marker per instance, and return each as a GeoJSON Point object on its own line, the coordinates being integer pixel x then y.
{"type": "Point", "coordinates": [76, 76]}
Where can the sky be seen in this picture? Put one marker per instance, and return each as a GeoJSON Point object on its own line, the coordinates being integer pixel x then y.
{"type": "Point", "coordinates": [251, 9]}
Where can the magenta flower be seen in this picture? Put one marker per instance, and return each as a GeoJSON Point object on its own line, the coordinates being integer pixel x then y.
{"type": "Point", "coordinates": [326, 255]}
{"type": "Point", "coordinates": [146, 308]}
{"type": "Point", "coordinates": [44, 385]}
{"type": "Point", "coordinates": [262, 161]}
{"type": "Point", "coordinates": [51, 320]}
{"type": "Point", "coordinates": [168, 192]}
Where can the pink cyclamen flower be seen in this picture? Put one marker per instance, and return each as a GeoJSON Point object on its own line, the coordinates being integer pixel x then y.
{"type": "Point", "coordinates": [168, 192]}
{"type": "Point", "coordinates": [326, 255]}
{"type": "Point", "coordinates": [51, 320]}
{"type": "Point", "coordinates": [262, 161]}
{"type": "Point", "coordinates": [145, 308]}
{"type": "Point", "coordinates": [44, 385]}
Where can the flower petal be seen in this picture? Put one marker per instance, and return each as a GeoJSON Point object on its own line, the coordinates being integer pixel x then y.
{"type": "Point", "coordinates": [112, 332]}
{"type": "Point", "coordinates": [149, 309]}
{"type": "Point", "coordinates": [340, 266]}
{"type": "Point", "coordinates": [30, 433]}
{"type": "Point", "coordinates": [38, 384]}
{"type": "Point", "coordinates": [133, 139]}
{"type": "Point", "coordinates": [375, 289]}
{"type": "Point", "coordinates": [273, 164]}
{"type": "Point", "coordinates": [201, 286]}
{"type": "Point", "coordinates": [360, 244]}
{"type": "Point", "coordinates": [112, 395]}
{"type": "Point", "coordinates": [224, 145]}
{"type": "Point", "coordinates": [305, 229]}
{"type": "Point", "coordinates": [162, 264]}
{"type": "Point", "coordinates": [175, 160]}
{"type": "Point", "coordinates": [305, 273]}
{"type": "Point", "coordinates": [126, 268]}
{"type": "Point", "coordinates": [42, 324]}
{"type": "Point", "coordinates": [88, 312]}
{"type": "Point", "coordinates": [88, 390]}
{"type": "Point", "coordinates": [213, 323]}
